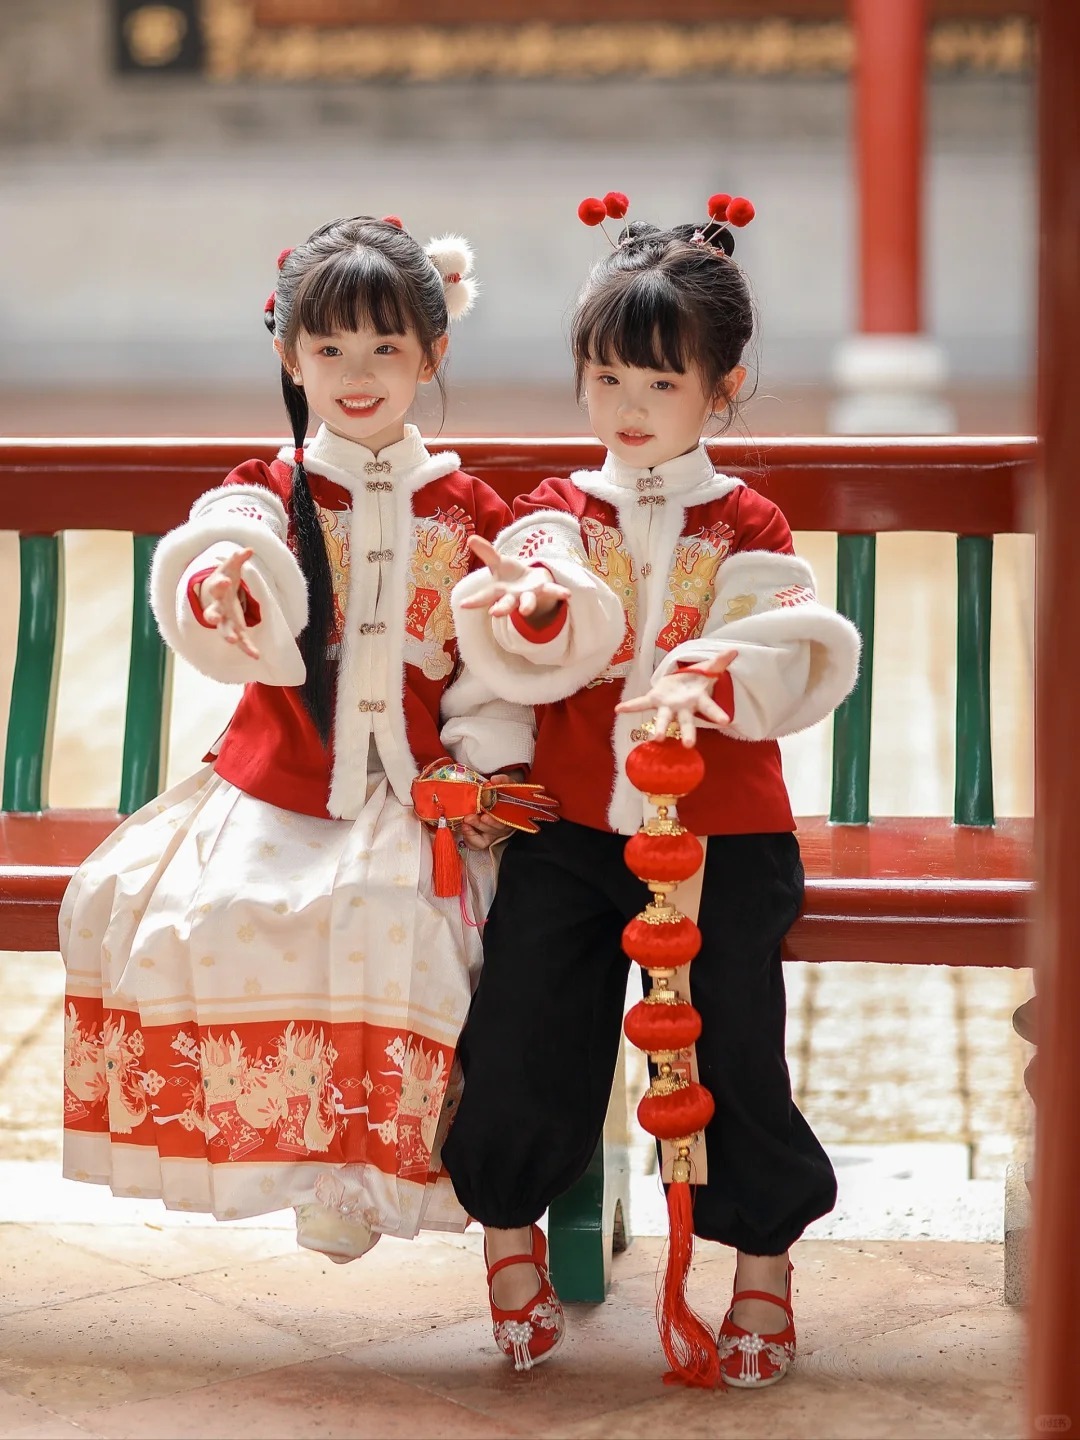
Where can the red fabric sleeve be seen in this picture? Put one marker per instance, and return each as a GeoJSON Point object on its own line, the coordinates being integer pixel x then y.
{"type": "Point", "coordinates": [556, 494]}
{"type": "Point", "coordinates": [491, 513]}
{"type": "Point", "coordinates": [248, 603]}
{"type": "Point", "coordinates": [275, 477]}
{"type": "Point", "coordinates": [540, 634]}
{"type": "Point", "coordinates": [761, 525]}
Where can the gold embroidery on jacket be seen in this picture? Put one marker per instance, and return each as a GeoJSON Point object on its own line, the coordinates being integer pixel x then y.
{"type": "Point", "coordinates": [692, 583]}
{"type": "Point", "coordinates": [609, 559]}
{"type": "Point", "coordinates": [440, 558]}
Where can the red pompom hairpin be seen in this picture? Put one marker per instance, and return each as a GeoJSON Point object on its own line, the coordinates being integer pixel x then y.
{"type": "Point", "coordinates": [613, 206]}
{"type": "Point", "coordinates": [724, 211]}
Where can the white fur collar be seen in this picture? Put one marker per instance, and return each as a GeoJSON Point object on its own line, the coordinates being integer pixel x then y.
{"type": "Point", "coordinates": [347, 462]}
{"type": "Point", "coordinates": [689, 477]}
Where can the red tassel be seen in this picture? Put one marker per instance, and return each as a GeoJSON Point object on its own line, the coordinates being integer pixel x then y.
{"type": "Point", "coordinates": [446, 869]}
{"type": "Point", "coordinates": [689, 1344]}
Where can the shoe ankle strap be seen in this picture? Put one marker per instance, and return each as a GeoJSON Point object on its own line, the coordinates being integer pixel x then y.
{"type": "Point", "coordinates": [494, 1269]}
{"type": "Point", "coordinates": [537, 1257]}
{"type": "Point", "coordinates": [782, 1304]}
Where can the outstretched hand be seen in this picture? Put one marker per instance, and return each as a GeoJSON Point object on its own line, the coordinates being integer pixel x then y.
{"type": "Point", "coordinates": [684, 696]}
{"type": "Point", "coordinates": [528, 589]}
{"type": "Point", "coordinates": [223, 609]}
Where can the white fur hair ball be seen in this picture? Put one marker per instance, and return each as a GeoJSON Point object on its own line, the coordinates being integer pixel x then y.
{"type": "Point", "coordinates": [452, 256]}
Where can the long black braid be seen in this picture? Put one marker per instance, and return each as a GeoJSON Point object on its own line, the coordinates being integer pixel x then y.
{"type": "Point", "coordinates": [318, 686]}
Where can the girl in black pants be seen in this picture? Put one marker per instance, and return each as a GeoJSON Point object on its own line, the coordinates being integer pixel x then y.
{"type": "Point", "coordinates": [652, 587]}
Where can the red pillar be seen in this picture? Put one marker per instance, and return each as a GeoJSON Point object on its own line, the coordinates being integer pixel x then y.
{"type": "Point", "coordinates": [890, 64]}
{"type": "Point", "coordinates": [1054, 1395]}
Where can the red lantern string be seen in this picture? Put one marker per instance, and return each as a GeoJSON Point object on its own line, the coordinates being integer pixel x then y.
{"type": "Point", "coordinates": [665, 767]}
{"type": "Point", "coordinates": [666, 858]}
{"type": "Point", "coordinates": [659, 1026]}
{"type": "Point", "coordinates": [661, 939]}
{"type": "Point", "coordinates": [657, 942]}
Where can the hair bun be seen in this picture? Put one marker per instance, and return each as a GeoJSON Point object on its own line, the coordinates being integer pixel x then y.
{"type": "Point", "coordinates": [452, 257]}
{"type": "Point", "coordinates": [638, 230]}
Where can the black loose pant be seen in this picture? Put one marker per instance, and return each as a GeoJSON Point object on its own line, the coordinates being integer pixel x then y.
{"type": "Point", "coordinates": [541, 1042]}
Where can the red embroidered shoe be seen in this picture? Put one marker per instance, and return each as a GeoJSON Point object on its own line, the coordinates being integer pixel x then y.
{"type": "Point", "coordinates": [748, 1360]}
{"type": "Point", "coordinates": [533, 1333]}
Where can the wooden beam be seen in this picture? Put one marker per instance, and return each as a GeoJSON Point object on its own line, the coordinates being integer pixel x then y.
{"type": "Point", "coordinates": [1053, 1368]}
{"type": "Point", "coordinates": [969, 486]}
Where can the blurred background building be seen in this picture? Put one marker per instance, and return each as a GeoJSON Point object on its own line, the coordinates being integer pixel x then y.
{"type": "Point", "coordinates": [154, 158]}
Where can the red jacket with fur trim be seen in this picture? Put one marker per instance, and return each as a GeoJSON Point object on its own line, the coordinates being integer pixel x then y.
{"type": "Point", "coordinates": [664, 569]}
{"type": "Point", "coordinates": [396, 529]}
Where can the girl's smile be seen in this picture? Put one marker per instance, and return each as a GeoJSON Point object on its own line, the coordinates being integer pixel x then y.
{"type": "Point", "coordinates": [361, 383]}
{"type": "Point", "coordinates": [360, 404]}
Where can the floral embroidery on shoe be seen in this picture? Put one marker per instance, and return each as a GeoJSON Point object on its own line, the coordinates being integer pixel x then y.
{"type": "Point", "coordinates": [534, 1332]}
{"type": "Point", "coordinates": [761, 1360]}
{"type": "Point", "coordinates": [750, 1360]}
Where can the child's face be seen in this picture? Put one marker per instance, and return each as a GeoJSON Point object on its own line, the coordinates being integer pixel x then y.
{"type": "Point", "coordinates": [646, 417]}
{"type": "Point", "coordinates": [361, 384]}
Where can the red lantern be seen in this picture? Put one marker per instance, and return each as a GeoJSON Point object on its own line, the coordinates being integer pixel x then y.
{"type": "Point", "coordinates": [661, 947]}
{"type": "Point", "coordinates": [665, 767]}
{"type": "Point", "coordinates": [666, 859]}
{"type": "Point", "coordinates": [682, 1113]}
{"type": "Point", "coordinates": [659, 1027]}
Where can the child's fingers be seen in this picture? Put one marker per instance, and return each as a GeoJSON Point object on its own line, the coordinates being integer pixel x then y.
{"type": "Point", "coordinates": [527, 602]}
{"type": "Point", "coordinates": [719, 664]}
{"type": "Point", "coordinates": [506, 604]}
{"type": "Point", "coordinates": [712, 711]}
{"type": "Point", "coordinates": [484, 551]}
{"type": "Point", "coordinates": [631, 707]}
{"type": "Point", "coordinates": [687, 728]}
{"type": "Point", "coordinates": [235, 563]}
{"type": "Point", "coordinates": [481, 600]}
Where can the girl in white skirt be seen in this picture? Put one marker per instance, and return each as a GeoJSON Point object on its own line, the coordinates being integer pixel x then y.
{"type": "Point", "coordinates": [264, 993]}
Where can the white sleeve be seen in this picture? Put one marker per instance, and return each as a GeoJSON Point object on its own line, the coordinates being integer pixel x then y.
{"type": "Point", "coordinates": [797, 659]}
{"type": "Point", "coordinates": [484, 732]}
{"type": "Point", "coordinates": [225, 520]}
{"type": "Point", "coordinates": [538, 673]}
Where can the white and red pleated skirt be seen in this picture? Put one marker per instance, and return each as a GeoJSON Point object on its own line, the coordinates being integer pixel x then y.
{"type": "Point", "coordinates": [263, 1009]}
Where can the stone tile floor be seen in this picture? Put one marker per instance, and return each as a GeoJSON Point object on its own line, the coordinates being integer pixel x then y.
{"type": "Point", "coordinates": [177, 1329]}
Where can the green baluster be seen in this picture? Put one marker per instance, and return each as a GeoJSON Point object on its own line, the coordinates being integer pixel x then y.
{"type": "Point", "coordinates": [142, 772]}
{"type": "Point", "coordinates": [856, 561]}
{"type": "Point", "coordinates": [37, 665]}
{"type": "Point", "coordinates": [974, 799]}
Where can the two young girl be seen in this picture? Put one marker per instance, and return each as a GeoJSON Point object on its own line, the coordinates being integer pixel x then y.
{"type": "Point", "coordinates": [651, 587]}
{"type": "Point", "coordinates": [265, 997]}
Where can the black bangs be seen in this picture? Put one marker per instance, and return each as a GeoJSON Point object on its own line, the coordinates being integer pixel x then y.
{"type": "Point", "coordinates": [355, 288]}
{"type": "Point", "coordinates": [637, 319]}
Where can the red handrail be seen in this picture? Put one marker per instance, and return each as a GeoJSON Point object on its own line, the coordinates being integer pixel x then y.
{"type": "Point", "coordinates": [972, 485]}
